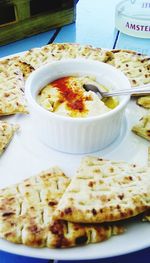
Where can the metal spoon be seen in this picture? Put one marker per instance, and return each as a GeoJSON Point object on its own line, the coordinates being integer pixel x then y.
{"type": "Point", "coordinates": [145, 89]}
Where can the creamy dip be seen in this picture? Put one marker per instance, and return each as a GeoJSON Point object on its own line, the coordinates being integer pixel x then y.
{"type": "Point", "coordinates": [66, 96]}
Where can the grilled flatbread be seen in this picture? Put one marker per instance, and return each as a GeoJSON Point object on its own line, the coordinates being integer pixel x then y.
{"type": "Point", "coordinates": [104, 191]}
{"type": "Point", "coordinates": [146, 216]}
{"type": "Point", "coordinates": [39, 56]}
{"type": "Point", "coordinates": [67, 234]}
{"type": "Point", "coordinates": [24, 67]}
{"type": "Point", "coordinates": [6, 133]}
{"type": "Point", "coordinates": [26, 207]}
{"type": "Point", "coordinates": [144, 102]}
{"type": "Point", "coordinates": [134, 65]}
{"type": "Point", "coordinates": [12, 98]}
{"type": "Point", "coordinates": [142, 128]}
{"type": "Point", "coordinates": [15, 62]}
{"type": "Point", "coordinates": [26, 211]}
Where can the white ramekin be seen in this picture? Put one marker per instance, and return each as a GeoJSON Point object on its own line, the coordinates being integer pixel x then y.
{"type": "Point", "coordinates": [76, 135]}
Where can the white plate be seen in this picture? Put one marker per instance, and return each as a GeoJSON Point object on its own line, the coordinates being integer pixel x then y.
{"type": "Point", "coordinates": [26, 156]}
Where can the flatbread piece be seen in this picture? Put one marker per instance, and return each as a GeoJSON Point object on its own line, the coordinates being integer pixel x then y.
{"type": "Point", "coordinates": [104, 190]}
{"type": "Point", "coordinates": [12, 98]}
{"type": "Point", "coordinates": [26, 211]}
{"type": "Point", "coordinates": [142, 128]}
{"type": "Point", "coordinates": [134, 65]}
{"type": "Point", "coordinates": [37, 57]}
{"type": "Point", "coordinates": [7, 131]}
{"type": "Point", "coordinates": [144, 102]}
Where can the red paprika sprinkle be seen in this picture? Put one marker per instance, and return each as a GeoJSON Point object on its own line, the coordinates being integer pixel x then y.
{"type": "Point", "coordinates": [74, 98]}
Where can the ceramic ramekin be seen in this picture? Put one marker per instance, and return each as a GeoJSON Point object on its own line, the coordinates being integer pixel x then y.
{"type": "Point", "coordinates": [76, 135]}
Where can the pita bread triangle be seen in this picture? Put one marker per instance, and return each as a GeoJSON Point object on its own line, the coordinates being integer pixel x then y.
{"type": "Point", "coordinates": [134, 65]}
{"type": "Point", "coordinates": [37, 57]}
{"type": "Point", "coordinates": [147, 213]}
{"type": "Point", "coordinates": [26, 211]}
{"type": "Point", "coordinates": [142, 128]}
{"type": "Point", "coordinates": [105, 191]}
{"type": "Point", "coordinates": [12, 98]}
{"type": "Point", "coordinates": [7, 131]}
{"type": "Point", "coordinates": [144, 102]}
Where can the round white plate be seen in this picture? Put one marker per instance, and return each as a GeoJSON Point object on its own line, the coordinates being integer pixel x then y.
{"type": "Point", "coordinates": [27, 156]}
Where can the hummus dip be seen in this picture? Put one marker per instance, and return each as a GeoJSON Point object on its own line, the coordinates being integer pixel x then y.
{"type": "Point", "coordinates": [66, 96]}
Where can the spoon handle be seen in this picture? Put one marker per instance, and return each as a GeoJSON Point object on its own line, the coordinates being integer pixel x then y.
{"type": "Point", "coordinates": [139, 90]}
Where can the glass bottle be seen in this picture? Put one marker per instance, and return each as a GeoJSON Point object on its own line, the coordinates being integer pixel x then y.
{"type": "Point", "coordinates": [132, 17]}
